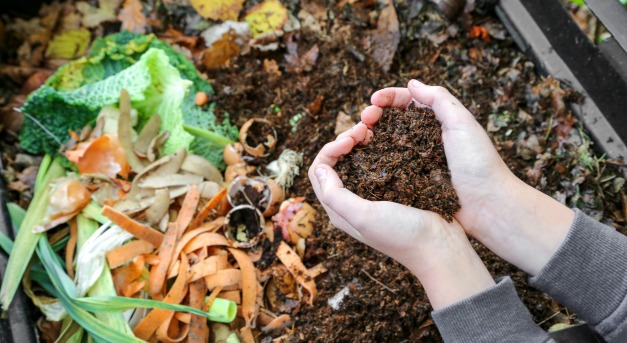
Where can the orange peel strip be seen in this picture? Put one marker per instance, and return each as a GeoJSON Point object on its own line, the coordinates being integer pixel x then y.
{"type": "Point", "coordinates": [188, 236]}
{"type": "Point", "coordinates": [123, 276]}
{"type": "Point", "coordinates": [234, 296]}
{"type": "Point", "coordinates": [171, 327]}
{"type": "Point", "coordinates": [205, 239]}
{"type": "Point", "coordinates": [70, 249]}
{"type": "Point", "coordinates": [317, 270]}
{"type": "Point", "coordinates": [212, 297]}
{"type": "Point", "coordinates": [188, 208]}
{"type": "Point", "coordinates": [198, 329]}
{"type": "Point", "coordinates": [127, 252]}
{"type": "Point", "coordinates": [224, 278]}
{"type": "Point", "coordinates": [296, 267]}
{"type": "Point", "coordinates": [133, 288]}
{"type": "Point", "coordinates": [147, 327]}
{"type": "Point", "coordinates": [249, 286]}
{"type": "Point", "coordinates": [135, 228]}
{"type": "Point", "coordinates": [213, 203]}
{"type": "Point", "coordinates": [203, 268]}
{"type": "Point", "coordinates": [247, 335]}
{"type": "Point", "coordinates": [184, 317]}
{"type": "Point", "coordinates": [158, 273]}
{"type": "Point", "coordinates": [277, 323]}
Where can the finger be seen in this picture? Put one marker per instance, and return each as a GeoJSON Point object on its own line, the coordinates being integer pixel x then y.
{"type": "Point", "coordinates": [371, 114]}
{"type": "Point", "coordinates": [369, 137]}
{"type": "Point", "coordinates": [332, 151]}
{"type": "Point", "coordinates": [358, 133]}
{"type": "Point", "coordinates": [336, 220]}
{"type": "Point", "coordinates": [447, 108]}
{"type": "Point", "coordinates": [353, 209]}
{"type": "Point", "coordinates": [341, 223]}
{"type": "Point", "coordinates": [391, 97]}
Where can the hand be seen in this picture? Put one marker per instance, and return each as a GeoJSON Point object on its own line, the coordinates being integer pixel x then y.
{"type": "Point", "coordinates": [515, 221]}
{"type": "Point", "coordinates": [437, 252]}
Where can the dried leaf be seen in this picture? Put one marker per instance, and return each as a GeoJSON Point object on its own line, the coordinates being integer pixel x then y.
{"type": "Point", "coordinates": [173, 36]}
{"type": "Point", "coordinates": [383, 41]}
{"type": "Point", "coordinates": [479, 32]}
{"type": "Point", "coordinates": [132, 17]}
{"type": "Point", "coordinates": [218, 9]}
{"type": "Point", "coordinates": [94, 16]}
{"type": "Point", "coordinates": [302, 63]}
{"type": "Point", "coordinates": [266, 17]}
{"type": "Point", "coordinates": [221, 52]}
{"type": "Point", "coordinates": [69, 44]}
{"type": "Point", "coordinates": [343, 122]}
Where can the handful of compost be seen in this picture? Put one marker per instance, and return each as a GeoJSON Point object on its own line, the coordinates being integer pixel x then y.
{"type": "Point", "coordinates": [404, 163]}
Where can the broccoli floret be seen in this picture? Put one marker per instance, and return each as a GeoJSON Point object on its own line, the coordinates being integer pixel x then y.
{"type": "Point", "coordinates": [51, 112]}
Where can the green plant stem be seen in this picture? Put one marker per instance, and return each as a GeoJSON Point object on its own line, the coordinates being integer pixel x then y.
{"type": "Point", "coordinates": [208, 135]}
{"type": "Point", "coordinates": [222, 310]}
{"type": "Point", "coordinates": [94, 211]}
{"type": "Point", "coordinates": [26, 240]}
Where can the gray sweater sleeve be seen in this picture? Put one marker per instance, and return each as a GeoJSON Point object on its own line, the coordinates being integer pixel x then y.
{"type": "Point", "coordinates": [588, 274]}
{"type": "Point", "coordinates": [494, 315]}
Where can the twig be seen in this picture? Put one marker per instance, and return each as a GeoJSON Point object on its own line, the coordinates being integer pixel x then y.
{"type": "Point", "coordinates": [616, 163]}
{"type": "Point", "coordinates": [377, 281]}
{"type": "Point", "coordinates": [39, 124]}
{"type": "Point", "coordinates": [546, 320]}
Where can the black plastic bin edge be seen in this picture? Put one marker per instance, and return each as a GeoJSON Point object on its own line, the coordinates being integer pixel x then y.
{"type": "Point", "coordinates": [17, 324]}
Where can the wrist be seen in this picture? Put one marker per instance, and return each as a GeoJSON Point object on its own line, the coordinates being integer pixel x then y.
{"type": "Point", "coordinates": [450, 270]}
{"type": "Point", "coordinates": [523, 225]}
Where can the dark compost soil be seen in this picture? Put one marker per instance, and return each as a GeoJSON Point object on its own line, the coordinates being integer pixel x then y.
{"type": "Point", "coordinates": [523, 113]}
{"type": "Point", "coordinates": [404, 163]}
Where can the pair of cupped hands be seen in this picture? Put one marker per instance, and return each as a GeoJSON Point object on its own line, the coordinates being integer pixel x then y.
{"type": "Point", "coordinates": [517, 222]}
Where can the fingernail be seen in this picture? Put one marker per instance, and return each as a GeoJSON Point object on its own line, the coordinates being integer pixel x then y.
{"type": "Point", "coordinates": [416, 83]}
{"type": "Point", "coordinates": [321, 175]}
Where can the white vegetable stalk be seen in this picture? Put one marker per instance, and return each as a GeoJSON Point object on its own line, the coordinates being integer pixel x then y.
{"type": "Point", "coordinates": [91, 258]}
{"type": "Point", "coordinates": [286, 168]}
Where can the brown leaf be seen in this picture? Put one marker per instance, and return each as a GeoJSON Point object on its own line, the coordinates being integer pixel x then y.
{"type": "Point", "coordinates": [173, 36]}
{"type": "Point", "coordinates": [383, 41]}
{"type": "Point", "coordinates": [36, 80]}
{"type": "Point", "coordinates": [343, 122]}
{"type": "Point", "coordinates": [132, 17]}
{"type": "Point", "coordinates": [315, 106]}
{"type": "Point", "coordinates": [298, 63]}
{"type": "Point", "coordinates": [221, 51]}
{"type": "Point", "coordinates": [271, 67]}
{"type": "Point", "coordinates": [11, 120]}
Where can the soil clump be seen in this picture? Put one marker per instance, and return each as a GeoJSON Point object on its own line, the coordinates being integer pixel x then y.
{"type": "Point", "coordinates": [405, 163]}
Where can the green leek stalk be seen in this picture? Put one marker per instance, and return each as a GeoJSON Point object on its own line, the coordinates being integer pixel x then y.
{"type": "Point", "coordinates": [94, 211]}
{"type": "Point", "coordinates": [222, 310]}
{"type": "Point", "coordinates": [26, 241]}
{"type": "Point", "coordinates": [208, 135]}
{"type": "Point", "coordinates": [104, 285]}
{"type": "Point", "coordinates": [71, 332]}
{"type": "Point", "coordinates": [65, 290]}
